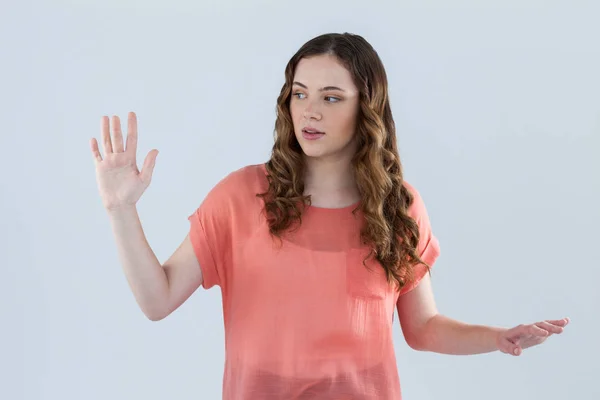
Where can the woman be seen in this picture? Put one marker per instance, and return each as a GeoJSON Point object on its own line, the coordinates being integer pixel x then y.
{"type": "Point", "coordinates": [313, 250]}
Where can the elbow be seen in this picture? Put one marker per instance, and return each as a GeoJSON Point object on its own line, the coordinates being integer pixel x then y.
{"type": "Point", "coordinates": [416, 343]}
{"type": "Point", "coordinates": [155, 314]}
{"type": "Point", "coordinates": [422, 337]}
{"type": "Point", "coordinates": [154, 317]}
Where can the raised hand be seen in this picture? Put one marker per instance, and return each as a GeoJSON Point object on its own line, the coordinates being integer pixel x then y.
{"type": "Point", "coordinates": [513, 341]}
{"type": "Point", "coordinates": [120, 183]}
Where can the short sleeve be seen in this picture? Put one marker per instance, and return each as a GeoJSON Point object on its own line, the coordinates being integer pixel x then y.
{"type": "Point", "coordinates": [210, 234]}
{"type": "Point", "coordinates": [428, 247]}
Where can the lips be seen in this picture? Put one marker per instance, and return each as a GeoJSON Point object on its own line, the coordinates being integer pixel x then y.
{"type": "Point", "coordinates": [312, 131]}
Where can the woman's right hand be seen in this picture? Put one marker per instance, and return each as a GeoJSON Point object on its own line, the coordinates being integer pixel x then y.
{"type": "Point", "coordinates": [120, 182]}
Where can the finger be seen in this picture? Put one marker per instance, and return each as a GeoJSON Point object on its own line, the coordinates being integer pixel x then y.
{"type": "Point", "coordinates": [95, 151]}
{"type": "Point", "coordinates": [517, 351]}
{"type": "Point", "coordinates": [537, 330]}
{"type": "Point", "coordinates": [117, 135]}
{"type": "Point", "coordinates": [148, 167]}
{"type": "Point", "coordinates": [132, 134]}
{"type": "Point", "coordinates": [507, 346]}
{"type": "Point", "coordinates": [105, 135]}
{"type": "Point", "coordinates": [560, 322]}
{"type": "Point", "coordinates": [515, 343]}
{"type": "Point", "coordinates": [550, 327]}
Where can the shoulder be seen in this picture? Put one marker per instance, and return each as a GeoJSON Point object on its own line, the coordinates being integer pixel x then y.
{"type": "Point", "coordinates": [412, 190]}
{"type": "Point", "coordinates": [417, 206]}
{"type": "Point", "coordinates": [238, 188]}
{"type": "Point", "coordinates": [250, 177]}
{"type": "Point", "coordinates": [249, 174]}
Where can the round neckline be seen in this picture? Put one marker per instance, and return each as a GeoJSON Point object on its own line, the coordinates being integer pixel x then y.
{"type": "Point", "coordinates": [330, 209]}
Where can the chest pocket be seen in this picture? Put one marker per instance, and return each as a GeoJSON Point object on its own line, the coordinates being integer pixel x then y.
{"type": "Point", "coordinates": [368, 280]}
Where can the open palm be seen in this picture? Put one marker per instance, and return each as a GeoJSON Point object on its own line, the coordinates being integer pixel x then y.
{"type": "Point", "coordinates": [120, 183]}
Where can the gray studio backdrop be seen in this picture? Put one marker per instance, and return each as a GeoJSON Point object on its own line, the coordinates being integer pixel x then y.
{"type": "Point", "coordinates": [497, 109]}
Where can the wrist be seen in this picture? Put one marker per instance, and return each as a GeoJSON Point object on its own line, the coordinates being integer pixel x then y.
{"type": "Point", "coordinates": [117, 211]}
{"type": "Point", "coordinates": [497, 333]}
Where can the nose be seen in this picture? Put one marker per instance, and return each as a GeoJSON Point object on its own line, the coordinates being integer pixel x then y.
{"type": "Point", "coordinates": [310, 112]}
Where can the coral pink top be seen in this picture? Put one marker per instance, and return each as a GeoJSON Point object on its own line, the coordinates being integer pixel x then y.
{"type": "Point", "coordinates": [303, 318]}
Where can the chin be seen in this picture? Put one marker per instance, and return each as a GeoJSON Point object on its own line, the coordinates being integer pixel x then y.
{"type": "Point", "coordinates": [321, 154]}
{"type": "Point", "coordinates": [311, 153]}
{"type": "Point", "coordinates": [314, 149]}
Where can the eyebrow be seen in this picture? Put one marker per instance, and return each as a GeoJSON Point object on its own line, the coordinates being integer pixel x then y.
{"type": "Point", "coordinates": [322, 89]}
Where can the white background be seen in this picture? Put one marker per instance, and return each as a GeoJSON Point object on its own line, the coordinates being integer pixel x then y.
{"type": "Point", "coordinates": [497, 108]}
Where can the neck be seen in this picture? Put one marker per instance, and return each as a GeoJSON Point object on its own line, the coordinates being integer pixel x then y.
{"type": "Point", "coordinates": [330, 181]}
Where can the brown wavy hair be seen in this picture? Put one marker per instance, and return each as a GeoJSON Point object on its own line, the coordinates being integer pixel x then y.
{"type": "Point", "coordinates": [390, 232]}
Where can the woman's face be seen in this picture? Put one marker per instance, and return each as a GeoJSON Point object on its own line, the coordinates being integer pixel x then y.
{"type": "Point", "coordinates": [324, 107]}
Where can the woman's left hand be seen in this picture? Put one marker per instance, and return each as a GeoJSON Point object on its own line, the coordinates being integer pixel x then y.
{"type": "Point", "coordinates": [515, 340]}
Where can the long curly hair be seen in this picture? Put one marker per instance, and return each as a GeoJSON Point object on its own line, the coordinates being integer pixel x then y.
{"type": "Point", "coordinates": [388, 229]}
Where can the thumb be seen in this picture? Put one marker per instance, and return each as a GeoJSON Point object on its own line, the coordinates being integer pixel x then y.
{"type": "Point", "coordinates": [148, 167]}
{"type": "Point", "coordinates": [510, 341]}
{"type": "Point", "coordinates": [515, 345]}
{"type": "Point", "coordinates": [507, 346]}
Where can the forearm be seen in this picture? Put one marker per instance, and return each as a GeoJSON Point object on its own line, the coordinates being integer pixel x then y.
{"type": "Point", "coordinates": [144, 273]}
{"type": "Point", "coordinates": [447, 336]}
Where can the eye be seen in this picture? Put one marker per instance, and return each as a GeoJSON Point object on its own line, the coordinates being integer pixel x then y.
{"type": "Point", "coordinates": [328, 99]}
